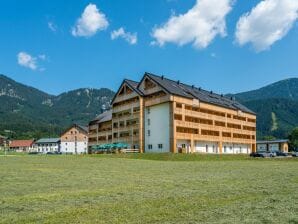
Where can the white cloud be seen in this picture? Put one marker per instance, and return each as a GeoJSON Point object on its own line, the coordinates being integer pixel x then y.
{"type": "Point", "coordinates": [52, 26]}
{"type": "Point", "coordinates": [129, 37]}
{"type": "Point", "coordinates": [200, 25]}
{"type": "Point", "coordinates": [90, 22]}
{"type": "Point", "coordinates": [29, 61]}
{"type": "Point", "coordinates": [26, 60]}
{"type": "Point", "coordinates": [267, 23]}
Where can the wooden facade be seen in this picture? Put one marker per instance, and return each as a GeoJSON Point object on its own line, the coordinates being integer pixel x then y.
{"type": "Point", "coordinates": [191, 119]}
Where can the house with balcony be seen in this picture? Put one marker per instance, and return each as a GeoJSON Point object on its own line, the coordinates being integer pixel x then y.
{"type": "Point", "coordinates": [158, 114]}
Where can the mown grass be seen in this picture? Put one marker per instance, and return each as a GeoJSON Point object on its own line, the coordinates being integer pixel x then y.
{"type": "Point", "coordinates": [149, 188]}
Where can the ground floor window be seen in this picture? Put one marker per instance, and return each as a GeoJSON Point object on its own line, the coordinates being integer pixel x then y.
{"type": "Point", "coordinates": [160, 146]}
{"type": "Point", "coordinates": [149, 146]}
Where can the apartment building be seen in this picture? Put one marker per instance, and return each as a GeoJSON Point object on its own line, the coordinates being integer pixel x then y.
{"type": "Point", "coordinates": [75, 140]}
{"type": "Point", "coordinates": [100, 130]}
{"type": "Point", "coordinates": [162, 115]}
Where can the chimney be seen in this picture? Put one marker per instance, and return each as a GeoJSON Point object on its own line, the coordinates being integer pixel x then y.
{"type": "Point", "coordinates": [162, 77]}
{"type": "Point", "coordinates": [178, 82]}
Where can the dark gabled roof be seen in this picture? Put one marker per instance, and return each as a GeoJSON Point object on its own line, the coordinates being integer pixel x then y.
{"type": "Point", "coordinates": [192, 92]}
{"type": "Point", "coordinates": [105, 116]}
{"type": "Point", "coordinates": [132, 84]}
{"type": "Point", "coordinates": [81, 127]}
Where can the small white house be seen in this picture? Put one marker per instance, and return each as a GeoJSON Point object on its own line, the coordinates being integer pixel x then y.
{"type": "Point", "coordinates": [46, 145]}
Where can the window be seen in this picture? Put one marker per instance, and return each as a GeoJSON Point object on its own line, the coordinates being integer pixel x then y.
{"type": "Point", "coordinates": [178, 105]}
{"type": "Point", "coordinates": [206, 148]}
{"type": "Point", "coordinates": [149, 146]}
{"type": "Point", "coordinates": [149, 133]}
{"type": "Point", "coordinates": [148, 110]}
{"type": "Point", "coordinates": [148, 121]}
{"type": "Point", "coordinates": [178, 117]}
{"type": "Point", "coordinates": [160, 146]}
{"type": "Point", "coordinates": [187, 130]}
{"type": "Point", "coordinates": [225, 149]}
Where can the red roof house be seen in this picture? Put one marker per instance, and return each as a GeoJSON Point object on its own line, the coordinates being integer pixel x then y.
{"type": "Point", "coordinates": [21, 145]}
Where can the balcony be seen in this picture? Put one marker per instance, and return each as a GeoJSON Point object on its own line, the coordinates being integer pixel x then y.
{"type": "Point", "coordinates": [158, 100]}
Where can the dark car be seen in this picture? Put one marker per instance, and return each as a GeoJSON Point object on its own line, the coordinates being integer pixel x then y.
{"type": "Point", "coordinates": [262, 154]}
{"type": "Point", "coordinates": [33, 153]}
{"type": "Point", "coordinates": [283, 154]}
{"type": "Point", "coordinates": [51, 153]}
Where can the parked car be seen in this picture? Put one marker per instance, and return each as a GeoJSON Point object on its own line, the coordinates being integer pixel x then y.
{"type": "Point", "coordinates": [279, 153]}
{"type": "Point", "coordinates": [263, 154]}
{"type": "Point", "coordinates": [50, 153]}
{"type": "Point", "coordinates": [33, 153]}
{"type": "Point", "coordinates": [53, 153]}
{"type": "Point", "coordinates": [295, 154]}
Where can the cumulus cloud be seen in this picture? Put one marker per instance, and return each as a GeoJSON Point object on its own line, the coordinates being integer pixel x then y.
{"type": "Point", "coordinates": [26, 60]}
{"type": "Point", "coordinates": [129, 37]}
{"type": "Point", "coordinates": [267, 23]}
{"type": "Point", "coordinates": [200, 25]}
{"type": "Point", "coordinates": [90, 22]}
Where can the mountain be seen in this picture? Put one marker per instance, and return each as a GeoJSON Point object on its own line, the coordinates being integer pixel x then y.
{"type": "Point", "coordinates": [276, 106]}
{"type": "Point", "coordinates": [26, 112]}
{"type": "Point", "coordinates": [285, 89]}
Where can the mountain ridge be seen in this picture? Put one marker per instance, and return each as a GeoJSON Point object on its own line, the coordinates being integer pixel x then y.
{"type": "Point", "coordinates": [29, 112]}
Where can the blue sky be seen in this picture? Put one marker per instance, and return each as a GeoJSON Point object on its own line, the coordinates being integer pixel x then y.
{"type": "Point", "coordinates": [169, 37]}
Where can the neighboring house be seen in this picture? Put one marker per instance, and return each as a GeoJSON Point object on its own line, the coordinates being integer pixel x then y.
{"type": "Point", "coordinates": [3, 141]}
{"type": "Point", "coordinates": [162, 115]}
{"type": "Point", "coordinates": [75, 140]}
{"type": "Point", "coordinates": [21, 145]}
{"type": "Point", "coordinates": [45, 145]}
{"type": "Point", "coordinates": [273, 146]}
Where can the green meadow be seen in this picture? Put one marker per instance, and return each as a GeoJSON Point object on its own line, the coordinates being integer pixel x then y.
{"type": "Point", "coordinates": [149, 188]}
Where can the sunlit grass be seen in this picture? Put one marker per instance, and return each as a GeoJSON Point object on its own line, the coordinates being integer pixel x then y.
{"type": "Point", "coordinates": [150, 188]}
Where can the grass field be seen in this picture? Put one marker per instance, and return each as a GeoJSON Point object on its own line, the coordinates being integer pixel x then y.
{"type": "Point", "coordinates": [148, 189]}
